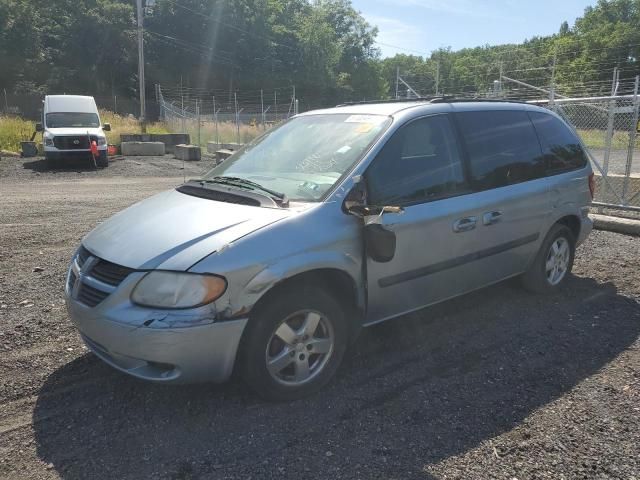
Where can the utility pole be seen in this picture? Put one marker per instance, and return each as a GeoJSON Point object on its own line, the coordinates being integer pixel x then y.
{"type": "Point", "coordinates": [438, 79]}
{"type": "Point", "coordinates": [143, 111]}
{"type": "Point", "coordinates": [552, 88]}
{"type": "Point", "coordinates": [397, 80]}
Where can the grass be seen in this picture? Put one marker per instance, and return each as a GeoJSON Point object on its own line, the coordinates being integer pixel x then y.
{"type": "Point", "coordinates": [596, 139]}
{"type": "Point", "coordinates": [14, 130]}
{"type": "Point", "coordinates": [124, 124]}
{"type": "Point", "coordinates": [225, 133]}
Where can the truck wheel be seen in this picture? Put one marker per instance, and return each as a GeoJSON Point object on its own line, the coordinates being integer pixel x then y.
{"type": "Point", "coordinates": [552, 265]}
{"type": "Point", "coordinates": [294, 344]}
{"type": "Point", "coordinates": [102, 161]}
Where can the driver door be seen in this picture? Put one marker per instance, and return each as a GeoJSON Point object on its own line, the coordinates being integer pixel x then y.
{"type": "Point", "coordinates": [421, 169]}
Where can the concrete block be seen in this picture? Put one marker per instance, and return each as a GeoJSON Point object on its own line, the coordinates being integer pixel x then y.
{"type": "Point", "coordinates": [170, 140]}
{"type": "Point", "coordinates": [143, 149]}
{"type": "Point", "coordinates": [213, 147]}
{"type": "Point", "coordinates": [190, 153]}
{"type": "Point", "coordinates": [222, 155]}
{"type": "Point", "coordinates": [627, 226]}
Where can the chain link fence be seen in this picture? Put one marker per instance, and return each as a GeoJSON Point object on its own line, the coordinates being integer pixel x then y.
{"type": "Point", "coordinates": [609, 128]}
{"type": "Point", "coordinates": [223, 117]}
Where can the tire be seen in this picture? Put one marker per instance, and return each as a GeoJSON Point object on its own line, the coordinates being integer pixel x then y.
{"type": "Point", "coordinates": [102, 161]}
{"type": "Point", "coordinates": [539, 278]}
{"type": "Point", "coordinates": [298, 307]}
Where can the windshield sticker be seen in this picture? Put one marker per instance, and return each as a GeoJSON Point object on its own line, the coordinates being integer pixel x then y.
{"type": "Point", "coordinates": [370, 119]}
{"type": "Point", "coordinates": [364, 128]}
{"type": "Point", "coordinates": [344, 149]}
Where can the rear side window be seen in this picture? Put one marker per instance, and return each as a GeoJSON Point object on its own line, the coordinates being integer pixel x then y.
{"type": "Point", "coordinates": [420, 163]}
{"type": "Point", "coordinates": [503, 148]}
{"type": "Point", "coordinates": [560, 146]}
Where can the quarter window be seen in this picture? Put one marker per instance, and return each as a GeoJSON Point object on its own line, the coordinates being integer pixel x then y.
{"type": "Point", "coordinates": [421, 162]}
{"type": "Point", "coordinates": [503, 148]}
{"type": "Point", "coordinates": [560, 146]}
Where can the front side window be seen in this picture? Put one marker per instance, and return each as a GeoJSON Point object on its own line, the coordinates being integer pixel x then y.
{"type": "Point", "coordinates": [560, 146]}
{"type": "Point", "coordinates": [421, 162]}
{"type": "Point", "coordinates": [72, 120]}
{"type": "Point", "coordinates": [306, 156]}
{"type": "Point", "coordinates": [503, 147]}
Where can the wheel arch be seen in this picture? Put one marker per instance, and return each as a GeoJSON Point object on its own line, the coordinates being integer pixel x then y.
{"type": "Point", "coordinates": [337, 282]}
{"type": "Point", "coordinates": [572, 222]}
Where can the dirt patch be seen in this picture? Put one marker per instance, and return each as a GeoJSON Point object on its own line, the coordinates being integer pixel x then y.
{"type": "Point", "coordinates": [497, 384]}
{"type": "Point", "coordinates": [119, 166]}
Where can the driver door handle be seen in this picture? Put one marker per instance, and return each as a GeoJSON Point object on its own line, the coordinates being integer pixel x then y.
{"type": "Point", "coordinates": [464, 224]}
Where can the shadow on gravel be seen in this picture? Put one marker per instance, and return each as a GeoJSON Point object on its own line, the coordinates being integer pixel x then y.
{"type": "Point", "coordinates": [69, 165]}
{"type": "Point", "coordinates": [413, 392]}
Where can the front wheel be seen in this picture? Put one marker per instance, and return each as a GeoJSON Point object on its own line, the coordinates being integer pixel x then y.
{"type": "Point", "coordinates": [553, 263]}
{"type": "Point", "coordinates": [102, 161]}
{"type": "Point", "coordinates": [294, 344]}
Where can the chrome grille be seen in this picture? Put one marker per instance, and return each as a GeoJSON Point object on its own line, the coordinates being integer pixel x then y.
{"type": "Point", "coordinates": [91, 296]}
{"type": "Point", "coordinates": [110, 273]}
{"type": "Point", "coordinates": [92, 279]}
{"type": "Point", "coordinates": [73, 142]}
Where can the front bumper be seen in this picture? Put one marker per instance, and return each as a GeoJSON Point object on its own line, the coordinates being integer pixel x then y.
{"type": "Point", "coordinates": [162, 354]}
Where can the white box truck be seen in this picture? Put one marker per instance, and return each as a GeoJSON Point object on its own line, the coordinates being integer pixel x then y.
{"type": "Point", "coordinates": [70, 123]}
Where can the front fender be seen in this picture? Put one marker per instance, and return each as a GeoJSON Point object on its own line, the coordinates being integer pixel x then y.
{"type": "Point", "coordinates": [305, 262]}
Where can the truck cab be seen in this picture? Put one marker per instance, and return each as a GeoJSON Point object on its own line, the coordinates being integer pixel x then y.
{"type": "Point", "coordinates": [70, 123]}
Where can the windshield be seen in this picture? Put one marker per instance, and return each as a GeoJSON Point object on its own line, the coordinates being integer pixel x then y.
{"type": "Point", "coordinates": [306, 156]}
{"type": "Point", "coordinates": [72, 119]}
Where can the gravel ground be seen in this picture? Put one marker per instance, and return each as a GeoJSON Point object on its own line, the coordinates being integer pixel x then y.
{"type": "Point", "coordinates": [497, 384]}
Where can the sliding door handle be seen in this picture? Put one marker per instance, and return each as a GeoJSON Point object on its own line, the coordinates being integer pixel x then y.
{"type": "Point", "coordinates": [490, 218]}
{"type": "Point", "coordinates": [464, 224]}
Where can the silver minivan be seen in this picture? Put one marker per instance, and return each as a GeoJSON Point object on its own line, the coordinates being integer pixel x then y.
{"type": "Point", "coordinates": [271, 263]}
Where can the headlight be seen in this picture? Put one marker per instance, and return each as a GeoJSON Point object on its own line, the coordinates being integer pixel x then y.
{"type": "Point", "coordinates": [48, 141]}
{"type": "Point", "coordinates": [162, 289]}
{"type": "Point", "coordinates": [102, 141]}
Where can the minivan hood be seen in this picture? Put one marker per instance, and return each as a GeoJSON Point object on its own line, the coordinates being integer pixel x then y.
{"type": "Point", "coordinates": [76, 131]}
{"type": "Point", "coordinates": [173, 231]}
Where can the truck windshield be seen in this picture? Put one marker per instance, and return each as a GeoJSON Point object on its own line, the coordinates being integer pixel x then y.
{"type": "Point", "coordinates": [304, 157]}
{"type": "Point", "coordinates": [72, 119]}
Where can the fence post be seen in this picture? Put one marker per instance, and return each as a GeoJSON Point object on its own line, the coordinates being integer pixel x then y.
{"type": "Point", "coordinates": [262, 107]}
{"type": "Point", "coordinates": [632, 141]}
{"type": "Point", "coordinates": [609, 137]}
{"type": "Point", "coordinates": [215, 120]}
{"type": "Point", "coordinates": [198, 119]}
{"type": "Point", "coordinates": [235, 101]}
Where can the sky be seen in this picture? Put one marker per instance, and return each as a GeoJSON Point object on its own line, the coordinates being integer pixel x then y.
{"type": "Point", "coordinates": [421, 26]}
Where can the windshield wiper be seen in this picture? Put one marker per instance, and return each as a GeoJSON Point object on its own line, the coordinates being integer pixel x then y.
{"type": "Point", "coordinates": [243, 182]}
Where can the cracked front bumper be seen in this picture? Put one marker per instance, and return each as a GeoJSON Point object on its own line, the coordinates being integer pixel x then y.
{"type": "Point", "coordinates": [172, 355]}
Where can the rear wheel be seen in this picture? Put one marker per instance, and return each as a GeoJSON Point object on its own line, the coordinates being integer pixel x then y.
{"type": "Point", "coordinates": [553, 263]}
{"type": "Point", "coordinates": [294, 344]}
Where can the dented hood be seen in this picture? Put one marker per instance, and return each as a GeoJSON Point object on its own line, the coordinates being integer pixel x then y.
{"type": "Point", "coordinates": [172, 230]}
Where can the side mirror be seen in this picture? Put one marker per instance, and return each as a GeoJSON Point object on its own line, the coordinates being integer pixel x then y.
{"type": "Point", "coordinates": [380, 242]}
{"type": "Point", "coordinates": [39, 127]}
{"type": "Point", "coordinates": [106, 127]}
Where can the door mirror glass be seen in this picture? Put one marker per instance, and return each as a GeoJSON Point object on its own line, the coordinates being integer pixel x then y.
{"type": "Point", "coordinates": [106, 127]}
{"type": "Point", "coordinates": [39, 127]}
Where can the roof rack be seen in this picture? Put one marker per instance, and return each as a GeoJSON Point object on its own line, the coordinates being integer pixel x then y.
{"type": "Point", "coordinates": [434, 99]}
{"type": "Point", "coordinates": [393, 100]}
